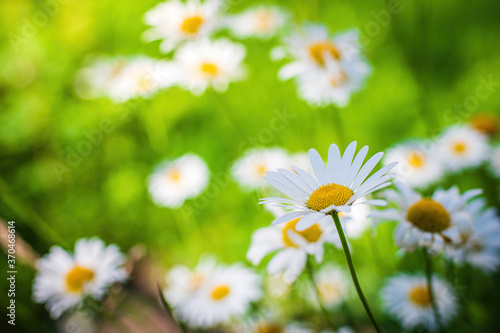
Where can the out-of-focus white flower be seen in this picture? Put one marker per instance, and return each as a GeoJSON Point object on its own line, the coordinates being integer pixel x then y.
{"type": "Point", "coordinates": [300, 160]}
{"type": "Point", "coordinates": [356, 221]}
{"type": "Point", "coordinates": [418, 164]}
{"type": "Point", "coordinates": [462, 147]}
{"type": "Point", "coordinates": [428, 222]}
{"type": "Point", "coordinates": [175, 22]}
{"type": "Point", "coordinates": [407, 298]}
{"type": "Point", "coordinates": [332, 287]}
{"type": "Point", "coordinates": [291, 247]}
{"type": "Point", "coordinates": [261, 22]}
{"type": "Point", "coordinates": [203, 64]}
{"type": "Point", "coordinates": [250, 169]}
{"type": "Point", "coordinates": [64, 280]}
{"type": "Point", "coordinates": [479, 245]}
{"type": "Point", "coordinates": [226, 294]}
{"type": "Point", "coordinates": [495, 161]}
{"type": "Point", "coordinates": [175, 181]}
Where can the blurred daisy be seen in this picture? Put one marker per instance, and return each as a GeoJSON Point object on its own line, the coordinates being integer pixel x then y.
{"type": "Point", "coordinates": [494, 161]}
{"type": "Point", "coordinates": [485, 123]}
{"type": "Point", "coordinates": [334, 188]}
{"type": "Point", "coordinates": [182, 283]}
{"type": "Point", "coordinates": [206, 63]}
{"type": "Point", "coordinates": [418, 163]}
{"type": "Point", "coordinates": [261, 22]}
{"type": "Point", "coordinates": [462, 147]}
{"type": "Point", "coordinates": [355, 222]}
{"type": "Point", "coordinates": [301, 160]}
{"type": "Point", "coordinates": [291, 247]}
{"type": "Point", "coordinates": [332, 287]}
{"type": "Point", "coordinates": [175, 181]}
{"type": "Point", "coordinates": [407, 298]}
{"type": "Point", "coordinates": [479, 245]}
{"type": "Point", "coordinates": [249, 169]}
{"type": "Point", "coordinates": [429, 222]}
{"type": "Point", "coordinates": [225, 295]}
{"type": "Point", "coordinates": [175, 22]}
{"type": "Point", "coordinates": [63, 280]}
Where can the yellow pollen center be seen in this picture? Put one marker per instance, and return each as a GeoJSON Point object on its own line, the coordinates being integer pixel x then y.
{"type": "Point", "coordinates": [318, 50]}
{"type": "Point", "coordinates": [328, 292]}
{"type": "Point", "coordinates": [261, 169]}
{"type": "Point", "coordinates": [428, 215]}
{"type": "Point", "coordinates": [145, 84]}
{"type": "Point", "coordinates": [460, 148]}
{"type": "Point", "coordinates": [77, 278]}
{"type": "Point", "coordinates": [196, 280]}
{"type": "Point", "coordinates": [264, 20]}
{"type": "Point", "coordinates": [327, 195]}
{"type": "Point", "coordinates": [220, 292]}
{"type": "Point", "coordinates": [416, 159]}
{"type": "Point", "coordinates": [269, 328]}
{"type": "Point", "coordinates": [191, 25]}
{"type": "Point", "coordinates": [174, 175]}
{"type": "Point", "coordinates": [420, 296]}
{"type": "Point", "coordinates": [209, 69]}
{"type": "Point", "coordinates": [311, 234]}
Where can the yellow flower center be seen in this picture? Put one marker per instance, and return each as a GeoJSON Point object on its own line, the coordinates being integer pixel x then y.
{"type": "Point", "coordinates": [416, 159]}
{"type": "Point", "coordinates": [263, 20]}
{"type": "Point", "coordinates": [261, 169]}
{"type": "Point", "coordinates": [460, 148]}
{"type": "Point", "coordinates": [77, 278]}
{"type": "Point", "coordinates": [338, 79]}
{"type": "Point", "coordinates": [196, 280]}
{"type": "Point", "coordinates": [318, 50]}
{"type": "Point", "coordinates": [145, 84]}
{"type": "Point", "coordinates": [419, 296]}
{"type": "Point", "coordinates": [220, 292]}
{"type": "Point", "coordinates": [191, 25]}
{"type": "Point", "coordinates": [269, 328]}
{"type": "Point", "coordinates": [173, 175]}
{"type": "Point", "coordinates": [328, 292]}
{"type": "Point", "coordinates": [327, 195]}
{"type": "Point", "coordinates": [429, 215]}
{"type": "Point", "coordinates": [311, 234]}
{"type": "Point", "coordinates": [209, 69]}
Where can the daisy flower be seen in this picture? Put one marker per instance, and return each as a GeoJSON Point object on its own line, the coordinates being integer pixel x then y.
{"type": "Point", "coordinates": [429, 222]}
{"type": "Point", "coordinates": [407, 298]}
{"type": "Point", "coordinates": [63, 280]}
{"type": "Point", "coordinates": [206, 63]}
{"type": "Point", "coordinates": [462, 147]}
{"type": "Point", "coordinates": [494, 161]}
{"type": "Point", "coordinates": [332, 286]}
{"type": "Point", "coordinates": [334, 188]}
{"type": "Point", "coordinates": [249, 169]}
{"type": "Point", "coordinates": [226, 294]}
{"type": "Point", "coordinates": [175, 22]}
{"type": "Point", "coordinates": [260, 22]}
{"type": "Point", "coordinates": [479, 245]}
{"type": "Point", "coordinates": [291, 247]}
{"type": "Point", "coordinates": [177, 180]}
{"type": "Point", "coordinates": [182, 283]}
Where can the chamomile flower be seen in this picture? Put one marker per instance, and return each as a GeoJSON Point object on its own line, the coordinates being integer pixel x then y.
{"type": "Point", "coordinates": [334, 188]}
{"type": "Point", "coordinates": [63, 280]}
{"type": "Point", "coordinates": [249, 169]}
{"type": "Point", "coordinates": [226, 294]}
{"type": "Point", "coordinates": [494, 161]}
{"type": "Point", "coordinates": [332, 287]}
{"type": "Point", "coordinates": [407, 298]}
{"type": "Point", "coordinates": [182, 282]}
{"type": "Point", "coordinates": [419, 166]}
{"type": "Point", "coordinates": [427, 222]}
{"type": "Point", "coordinates": [260, 22]}
{"type": "Point", "coordinates": [175, 22]}
{"type": "Point", "coordinates": [462, 147]}
{"type": "Point", "coordinates": [206, 63]}
{"type": "Point", "coordinates": [291, 247]}
{"type": "Point", "coordinates": [177, 180]}
{"type": "Point", "coordinates": [480, 244]}
{"type": "Point", "coordinates": [355, 222]}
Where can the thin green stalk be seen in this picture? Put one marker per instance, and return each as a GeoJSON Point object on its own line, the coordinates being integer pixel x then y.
{"type": "Point", "coordinates": [428, 275]}
{"type": "Point", "coordinates": [347, 253]}
{"type": "Point", "coordinates": [310, 270]}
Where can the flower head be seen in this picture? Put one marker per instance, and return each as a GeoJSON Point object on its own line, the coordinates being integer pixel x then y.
{"type": "Point", "coordinates": [64, 280]}
{"type": "Point", "coordinates": [332, 284]}
{"type": "Point", "coordinates": [334, 188]}
{"type": "Point", "coordinates": [260, 22]}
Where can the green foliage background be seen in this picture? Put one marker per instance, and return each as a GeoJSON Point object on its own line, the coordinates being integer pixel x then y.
{"type": "Point", "coordinates": [426, 61]}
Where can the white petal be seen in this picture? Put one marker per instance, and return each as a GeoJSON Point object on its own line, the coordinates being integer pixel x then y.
{"type": "Point", "coordinates": [308, 220]}
{"type": "Point", "coordinates": [288, 217]}
{"type": "Point", "coordinates": [366, 169]}
{"type": "Point", "coordinates": [333, 162]}
{"type": "Point", "coordinates": [318, 166]}
{"type": "Point", "coordinates": [345, 164]}
{"type": "Point", "coordinates": [356, 165]}
{"type": "Point", "coordinates": [306, 177]}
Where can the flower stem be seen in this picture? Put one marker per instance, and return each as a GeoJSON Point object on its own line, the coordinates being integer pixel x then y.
{"type": "Point", "coordinates": [310, 271]}
{"type": "Point", "coordinates": [347, 253]}
{"type": "Point", "coordinates": [428, 275]}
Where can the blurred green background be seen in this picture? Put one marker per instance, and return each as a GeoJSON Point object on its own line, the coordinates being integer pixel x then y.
{"type": "Point", "coordinates": [426, 61]}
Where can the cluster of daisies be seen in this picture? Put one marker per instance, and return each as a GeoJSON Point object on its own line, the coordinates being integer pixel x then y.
{"type": "Point", "coordinates": [327, 69]}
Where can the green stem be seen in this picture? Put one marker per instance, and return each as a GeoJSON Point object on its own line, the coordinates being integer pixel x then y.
{"type": "Point", "coordinates": [428, 275]}
{"type": "Point", "coordinates": [310, 270]}
{"type": "Point", "coordinates": [347, 253]}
